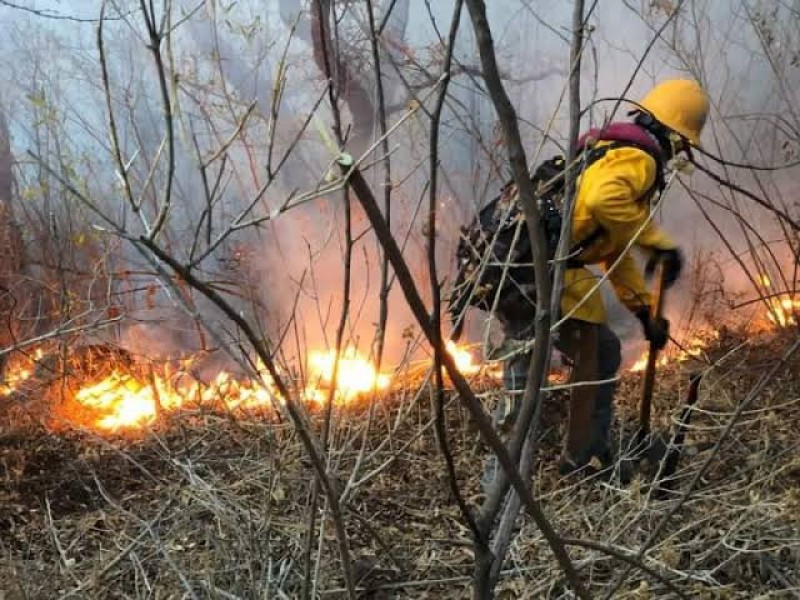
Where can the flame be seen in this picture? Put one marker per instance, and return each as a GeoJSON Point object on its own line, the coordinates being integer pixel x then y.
{"type": "Point", "coordinates": [356, 375]}
{"type": "Point", "coordinates": [463, 359]}
{"type": "Point", "coordinates": [692, 348]}
{"type": "Point", "coordinates": [236, 394]}
{"type": "Point", "coordinates": [123, 397]}
{"type": "Point", "coordinates": [19, 370]}
{"type": "Point", "coordinates": [122, 401]}
{"type": "Point", "coordinates": [783, 310]}
{"type": "Point", "coordinates": [14, 379]}
{"type": "Point", "coordinates": [641, 362]}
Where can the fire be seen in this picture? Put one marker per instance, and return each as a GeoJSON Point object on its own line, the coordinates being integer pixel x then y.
{"type": "Point", "coordinates": [692, 348]}
{"type": "Point", "coordinates": [641, 362]}
{"type": "Point", "coordinates": [356, 375]}
{"type": "Point", "coordinates": [19, 370]}
{"type": "Point", "coordinates": [783, 310]}
{"type": "Point", "coordinates": [123, 401]}
{"type": "Point", "coordinates": [237, 394]}
{"type": "Point", "coordinates": [14, 379]}
{"type": "Point", "coordinates": [463, 359]}
{"type": "Point", "coordinates": [122, 396]}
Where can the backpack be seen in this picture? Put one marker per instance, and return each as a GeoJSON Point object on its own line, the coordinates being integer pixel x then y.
{"type": "Point", "coordinates": [495, 254]}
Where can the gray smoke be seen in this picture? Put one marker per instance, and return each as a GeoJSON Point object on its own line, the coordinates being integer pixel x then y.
{"type": "Point", "coordinates": [292, 265]}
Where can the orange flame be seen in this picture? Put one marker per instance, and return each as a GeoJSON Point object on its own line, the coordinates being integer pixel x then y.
{"type": "Point", "coordinates": [783, 310]}
{"type": "Point", "coordinates": [19, 370]}
{"type": "Point", "coordinates": [641, 362]}
{"type": "Point", "coordinates": [122, 402]}
{"type": "Point", "coordinates": [463, 359]}
{"type": "Point", "coordinates": [355, 376]}
{"type": "Point", "coordinates": [693, 348]}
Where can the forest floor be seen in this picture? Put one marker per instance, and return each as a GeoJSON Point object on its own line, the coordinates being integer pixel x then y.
{"type": "Point", "coordinates": [209, 506]}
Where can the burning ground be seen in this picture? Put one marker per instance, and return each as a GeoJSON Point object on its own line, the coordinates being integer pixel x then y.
{"type": "Point", "coordinates": [106, 389]}
{"type": "Point", "coordinates": [214, 498]}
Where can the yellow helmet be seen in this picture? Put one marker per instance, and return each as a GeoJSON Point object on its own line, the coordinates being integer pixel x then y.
{"type": "Point", "coordinates": [681, 105]}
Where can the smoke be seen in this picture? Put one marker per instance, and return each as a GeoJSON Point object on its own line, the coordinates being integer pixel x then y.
{"type": "Point", "coordinates": [287, 272]}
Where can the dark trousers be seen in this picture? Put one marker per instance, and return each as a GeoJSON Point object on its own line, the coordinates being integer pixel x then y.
{"type": "Point", "coordinates": [607, 359]}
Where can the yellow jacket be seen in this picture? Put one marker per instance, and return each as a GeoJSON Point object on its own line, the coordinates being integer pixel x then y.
{"type": "Point", "coordinates": [613, 193]}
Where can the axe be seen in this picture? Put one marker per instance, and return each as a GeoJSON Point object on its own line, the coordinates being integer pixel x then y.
{"type": "Point", "coordinates": [656, 308]}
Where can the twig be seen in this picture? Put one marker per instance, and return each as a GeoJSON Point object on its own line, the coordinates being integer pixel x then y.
{"type": "Point", "coordinates": [310, 441]}
{"type": "Point", "coordinates": [626, 556]}
{"type": "Point", "coordinates": [415, 583]}
{"type": "Point", "coordinates": [437, 390]}
{"type": "Point", "coordinates": [781, 214]}
{"type": "Point", "coordinates": [122, 167]}
{"type": "Point", "coordinates": [153, 534]}
{"type": "Point", "coordinates": [667, 518]}
{"type": "Point", "coordinates": [220, 592]}
{"type": "Point", "coordinates": [56, 16]}
{"type": "Point", "coordinates": [67, 563]}
{"type": "Point", "coordinates": [156, 37]}
{"type": "Point", "coordinates": [385, 285]}
{"type": "Point", "coordinates": [96, 577]}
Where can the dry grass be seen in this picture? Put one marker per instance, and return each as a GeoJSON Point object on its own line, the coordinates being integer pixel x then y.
{"type": "Point", "coordinates": [211, 507]}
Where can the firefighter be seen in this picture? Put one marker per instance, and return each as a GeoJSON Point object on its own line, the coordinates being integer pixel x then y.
{"type": "Point", "coordinates": [612, 206]}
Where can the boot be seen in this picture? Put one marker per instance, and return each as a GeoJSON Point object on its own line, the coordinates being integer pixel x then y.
{"type": "Point", "coordinates": [621, 469]}
{"type": "Point", "coordinates": [601, 468]}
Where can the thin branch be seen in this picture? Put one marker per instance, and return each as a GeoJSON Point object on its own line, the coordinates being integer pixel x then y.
{"type": "Point", "coordinates": [57, 16]}
{"type": "Point", "coordinates": [437, 389]}
{"type": "Point", "coordinates": [156, 37]}
{"type": "Point", "coordinates": [667, 518]}
{"type": "Point", "coordinates": [506, 527]}
{"type": "Point", "coordinates": [628, 557]}
{"type": "Point", "coordinates": [122, 167]}
{"type": "Point", "coordinates": [760, 201]}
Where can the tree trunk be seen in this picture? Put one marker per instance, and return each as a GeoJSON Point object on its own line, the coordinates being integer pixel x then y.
{"type": "Point", "coordinates": [10, 242]}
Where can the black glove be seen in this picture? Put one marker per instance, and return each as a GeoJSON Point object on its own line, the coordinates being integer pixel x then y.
{"type": "Point", "coordinates": [656, 331]}
{"type": "Point", "coordinates": [672, 261]}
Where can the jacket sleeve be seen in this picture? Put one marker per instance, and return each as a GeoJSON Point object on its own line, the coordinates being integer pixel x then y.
{"type": "Point", "coordinates": [616, 189]}
{"type": "Point", "coordinates": [628, 282]}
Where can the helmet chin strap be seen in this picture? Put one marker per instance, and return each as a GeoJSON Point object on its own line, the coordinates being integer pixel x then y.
{"type": "Point", "coordinates": [670, 141]}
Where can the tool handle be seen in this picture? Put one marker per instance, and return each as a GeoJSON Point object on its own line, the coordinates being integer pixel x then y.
{"type": "Point", "coordinates": [656, 308]}
{"type": "Point", "coordinates": [666, 482]}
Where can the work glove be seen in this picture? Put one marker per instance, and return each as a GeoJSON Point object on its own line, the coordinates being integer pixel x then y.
{"type": "Point", "coordinates": [672, 261]}
{"type": "Point", "coordinates": [656, 330]}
